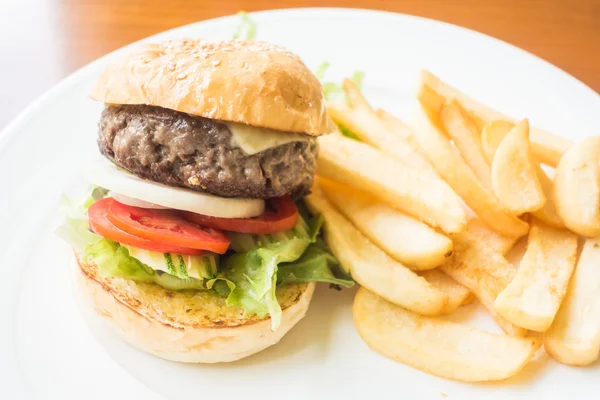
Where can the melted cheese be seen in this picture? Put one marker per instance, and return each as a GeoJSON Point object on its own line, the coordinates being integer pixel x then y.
{"type": "Point", "coordinates": [253, 140]}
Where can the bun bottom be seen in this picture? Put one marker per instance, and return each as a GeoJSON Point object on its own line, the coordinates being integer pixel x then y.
{"type": "Point", "coordinates": [178, 342]}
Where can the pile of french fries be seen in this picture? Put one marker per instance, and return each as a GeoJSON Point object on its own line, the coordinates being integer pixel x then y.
{"type": "Point", "coordinates": [422, 216]}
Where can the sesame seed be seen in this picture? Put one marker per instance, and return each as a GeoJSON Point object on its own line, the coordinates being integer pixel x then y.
{"type": "Point", "coordinates": [171, 66]}
{"type": "Point", "coordinates": [206, 49]}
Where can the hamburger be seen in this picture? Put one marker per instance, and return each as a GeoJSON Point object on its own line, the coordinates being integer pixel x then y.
{"type": "Point", "coordinates": [194, 242]}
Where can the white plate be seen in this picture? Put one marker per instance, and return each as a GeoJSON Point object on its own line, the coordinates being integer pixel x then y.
{"type": "Point", "coordinates": [48, 351]}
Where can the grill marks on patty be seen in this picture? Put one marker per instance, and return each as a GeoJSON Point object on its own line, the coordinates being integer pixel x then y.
{"type": "Point", "coordinates": [177, 149]}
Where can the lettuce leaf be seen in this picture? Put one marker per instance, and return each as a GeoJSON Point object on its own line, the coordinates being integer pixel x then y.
{"type": "Point", "coordinates": [246, 29]}
{"type": "Point", "coordinates": [348, 133]}
{"type": "Point", "coordinates": [75, 229]}
{"type": "Point", "coordinates": [335, 93]}
{"type": "Point", "coordinates": [322, 70]}
{"type": "Point", "coordinates": [254, 274]}
{"type": "Point", "coordinates": [114, 260]}
{"type": "Point", "coordinates": [98, 193]}
{"type": "Point", "coordinates": [317, 264]}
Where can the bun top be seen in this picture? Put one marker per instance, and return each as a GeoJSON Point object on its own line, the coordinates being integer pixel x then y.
{"type": "Point", "coordinates": [252, 83]}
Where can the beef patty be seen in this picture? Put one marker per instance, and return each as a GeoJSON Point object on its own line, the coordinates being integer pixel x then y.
{"type": "Point", "coordinates": [177, 149]}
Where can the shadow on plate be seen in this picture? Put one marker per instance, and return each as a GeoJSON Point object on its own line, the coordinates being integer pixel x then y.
{"type": "Point", "coordinates": [315, 330]}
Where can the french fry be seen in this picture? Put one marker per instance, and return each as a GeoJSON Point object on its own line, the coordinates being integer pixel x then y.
{"type": "Point", "coordinates": [433, 93]}
{"type": "Point", "coordinates": [372, 131]}
{"type": "Point", "coordinates": [356, 99]}
{"type": "Point", "coordinates": [577, 187]}
{"type": "Point", "coordinates": [574, 337]}
{"type": "Point", "coordinates": [532, 298]}
{"type": "Point", "coordinates": [405, 239]}
{"type": "Point", "coordinates": [458, 295]}
{"type": "Point", "coordinates": [438, 347]}
{"type": "Point", "coordinates": [484, 272]}
{"type": "Point", "coordinates": [467, 139]}
{"type": "Point", "coordinates": [514, 175]}
{"type": "Point", "coordinates": [370, 266]}
{"type": "Point", "coordinates": [399, 128]}
{"type": "Point", "coordinates": [493, 240]}
{"type": "Point", "coordinates": [362, 120]}
{"type": "Point", "coordinates": [461, 178]}
{"type": "Point", "coordinates": [493, 133]}
{"type": "Point", "coordinates": [548, 213]}
{"type": "Point", "coordinates": [367, 169]}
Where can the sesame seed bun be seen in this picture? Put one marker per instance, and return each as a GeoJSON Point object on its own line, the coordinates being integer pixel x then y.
{"type": "Point", "coordinates": [253, 83]}
{"type": "Point", "coordinates": [188, 326]}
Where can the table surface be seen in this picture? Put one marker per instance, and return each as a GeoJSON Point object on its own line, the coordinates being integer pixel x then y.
{"type": "Point", "coordinates": [42, 41]}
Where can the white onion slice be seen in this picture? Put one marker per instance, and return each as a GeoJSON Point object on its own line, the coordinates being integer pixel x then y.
{"type": "Point", "coordinates": [106, 174]}
{"type": "Point", "coordinates": [130, 201]}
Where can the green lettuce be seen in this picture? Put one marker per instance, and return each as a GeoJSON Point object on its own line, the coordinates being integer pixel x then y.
{"type": "Point", "coordinates": [254, 274]}
{"type": "Point", "coordinates": [246, 29]}
{"type": "Point", "coordinates": [75, 228]}
{"type": "Point", "coordinates": [317, 264]}
{"type": "Point", "coordinates": [300, 258]}
{"type": "Point", "coordinates": [97, 194]}
{"type": "Point", "coordinates": [114, 260]}
{"type": "Point", "coordinates": [322, 70]}
{"type": "Point", "coordinates": [335, 93]}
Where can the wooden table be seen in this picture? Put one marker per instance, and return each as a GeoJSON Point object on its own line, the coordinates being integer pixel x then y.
{"type": "Point", "coordinates": [42, 41]}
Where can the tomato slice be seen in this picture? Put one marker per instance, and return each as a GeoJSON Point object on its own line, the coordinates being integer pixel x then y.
{"type": "Point", "coordinates": [280, 215]}
{"type": "Point", "coordinates": [166, 227]}
{"type": "Point", "coordinates": [99, 223]}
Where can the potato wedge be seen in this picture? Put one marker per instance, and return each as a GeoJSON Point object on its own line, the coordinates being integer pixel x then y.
{"type": "Point", "coordinates": [514, 175]}
{"type": "Point", "coordinates": [458, 295]}
{"type": "Point", "coordinates": [433, 93]}
{"type": "Point", "coordinates": [370, 266]}
{"type": "Point", "coordinates": [577, 187]}
{"type": "Point", "coordinates": [532, 298]}
{"type": "Point", "coordinates": [492, 239]}
{"type": "Point", "coordinates": [548, 213]}
{"type": "Point", "coordinates": [574, 337]}
{"type": "Point", "coordinates": [484, 272]}
{"type": "Point", "coordinates": [355, 98]}
{"type": "Point", "coordinates": [367, 169]}
{"type": "Point", "coordinates": [451, 166]}
{"type": "Point", "coordinates": [467, 138]}
{"type": "Point", "coordinates": [399, 128]}
{"type": "Point", "coordinates": [438, 347]}
{"type": "Point", "coordinates": [404, 238]}
{"type": "Point", "coordinates": [493, 133]}
{"type": "Point", "coordinates": [371, 130]}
